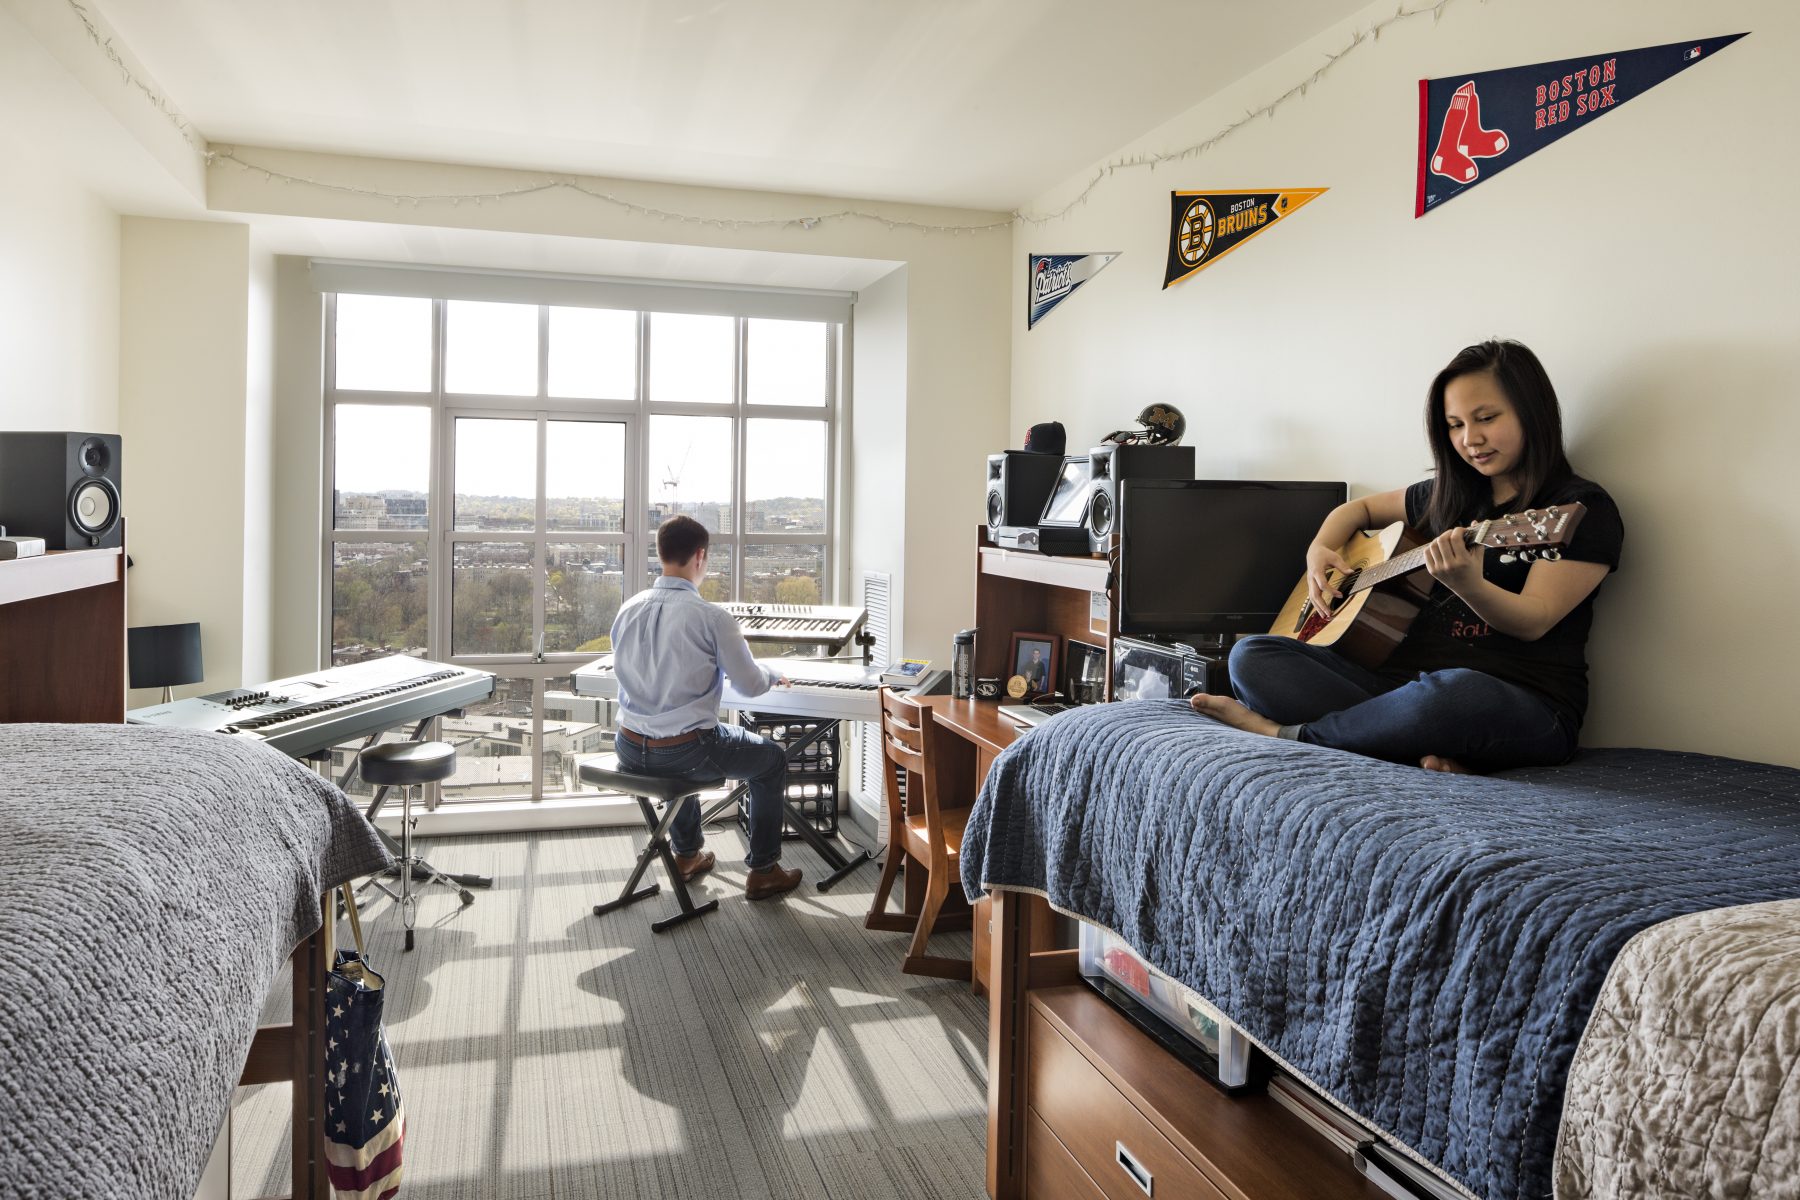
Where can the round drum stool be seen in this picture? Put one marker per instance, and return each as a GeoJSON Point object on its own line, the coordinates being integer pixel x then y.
{"type": "Point", "coordinates": [406, 765]}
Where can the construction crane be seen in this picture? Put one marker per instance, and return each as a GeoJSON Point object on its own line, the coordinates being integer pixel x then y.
{"type": "Point", "coordinates": [672, 478]}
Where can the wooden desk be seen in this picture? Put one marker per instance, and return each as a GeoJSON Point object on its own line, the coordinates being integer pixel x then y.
{"type": "Point", "coordinates": [62, 637]}
{"type": "Point", "coordinates": [979, 724]}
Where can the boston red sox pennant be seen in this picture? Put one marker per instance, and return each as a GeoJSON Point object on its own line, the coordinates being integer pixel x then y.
{"type": "Point", "coordinates": [1472, 127]}
{"type": "Point", "coordinates": [1206, 226]}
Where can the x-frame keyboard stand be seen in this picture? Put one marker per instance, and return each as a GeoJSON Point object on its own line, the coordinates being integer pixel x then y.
{"type": "Point", "coordinates": [380, 798]}
{"type": "Point", "coordinates": [834, 858]}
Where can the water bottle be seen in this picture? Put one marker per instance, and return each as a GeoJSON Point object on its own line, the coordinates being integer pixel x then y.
{"type": "Point", "coordinates": [962, 665]}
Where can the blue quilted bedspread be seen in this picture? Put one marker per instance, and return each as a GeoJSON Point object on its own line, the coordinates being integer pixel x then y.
{"type": "Point", "coordinates": [1424, 947]}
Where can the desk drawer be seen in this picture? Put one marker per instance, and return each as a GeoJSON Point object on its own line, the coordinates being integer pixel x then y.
{"type": "Point", "coordinates": [1050, 1174]}
{"type": "Point", "coordinates": [1114, 1143]}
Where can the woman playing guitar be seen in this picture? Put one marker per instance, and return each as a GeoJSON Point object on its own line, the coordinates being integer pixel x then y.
{"type": "Point", "coordinates": [1492, 673]}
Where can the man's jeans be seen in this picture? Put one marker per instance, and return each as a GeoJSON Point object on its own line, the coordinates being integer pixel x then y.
{"type": "Point", "coordinates": [1316, 695]}
{"type": "Point", "coordinates": [726, 750]}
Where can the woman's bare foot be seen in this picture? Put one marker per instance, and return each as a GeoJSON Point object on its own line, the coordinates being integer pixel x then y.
{"type": "Point", "coordinates": [1449, 766]}
{"type": "Point", "coordinates": [1234, 714]}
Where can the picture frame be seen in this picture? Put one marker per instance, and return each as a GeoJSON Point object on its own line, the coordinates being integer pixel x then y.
{"type": "Point", "coordinates": [1077, 656]}
{"type": "Point", "coordinates": [1038, 657]}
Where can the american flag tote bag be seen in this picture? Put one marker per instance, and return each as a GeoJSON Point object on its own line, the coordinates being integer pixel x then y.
{"type": "Point", "coordinates": [365, 1123]}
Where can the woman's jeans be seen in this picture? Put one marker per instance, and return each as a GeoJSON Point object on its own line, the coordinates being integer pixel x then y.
{"type": "Point", "coordinates": [1316, 695]}
{"type": "Point", "coordinates": [724, 750]}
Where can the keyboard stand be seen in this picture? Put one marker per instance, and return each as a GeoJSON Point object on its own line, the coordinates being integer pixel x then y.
{"type": "Point", "coordinates": [380, 798]}
{"type": "Point", "coordinates": [834, 858]}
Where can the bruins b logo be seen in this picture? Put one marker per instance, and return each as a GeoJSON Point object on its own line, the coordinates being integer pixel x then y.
{"type": "Point", "coordinates": [1196, 236]}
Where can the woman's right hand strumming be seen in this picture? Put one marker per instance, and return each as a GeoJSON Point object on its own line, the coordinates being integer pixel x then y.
{"type": "Point", "coordinates": [1321, 559]}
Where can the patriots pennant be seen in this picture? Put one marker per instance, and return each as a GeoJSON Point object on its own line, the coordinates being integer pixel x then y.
{"type": "Point", "coordinates": [365, 1125]}
{"type": "Point", "coordinates": [1052, 278]}
{"type": "Point", "coordinates": [1472, 127]}
{"type": "Point", "coordinates": [1206, 226]}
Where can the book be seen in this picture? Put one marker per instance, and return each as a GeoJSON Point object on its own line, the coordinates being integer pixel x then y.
{"type": "Point", "coordinates": [906, 672]}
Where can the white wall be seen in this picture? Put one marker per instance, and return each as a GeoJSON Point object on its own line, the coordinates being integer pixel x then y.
{"type": "Point", "coordinates": [299, 365]}
{"type": "Point", "coordinates": [1649, 259]}
{"type": "Point", "coordinates": [59, 300]}
{"type": "Point", "coordinates": [260, 458]}
{"type": "Point", "coordinates": [184, 416]}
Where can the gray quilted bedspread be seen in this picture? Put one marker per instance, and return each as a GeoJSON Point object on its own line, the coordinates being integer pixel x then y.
{"type": "Point", "coordinates": [152, 884]}
{"type": "Point", "coordinates": [1425, 948]}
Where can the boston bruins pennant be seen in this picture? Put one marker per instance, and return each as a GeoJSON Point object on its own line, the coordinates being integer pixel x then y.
{"type": "Point", "coordinates": [1206, 226]}
{"type": "Point", "coordinates": [1472, 127]}
{"type": "Point", "coordinates": [1052, 278]}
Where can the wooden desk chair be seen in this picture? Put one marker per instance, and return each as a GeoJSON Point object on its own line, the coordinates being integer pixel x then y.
{"type": "Point", "coordinates": [929, 835]}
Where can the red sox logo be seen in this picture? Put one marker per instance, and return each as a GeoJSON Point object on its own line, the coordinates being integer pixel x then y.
{"type": "Point", "coordinates": [1463, 140]}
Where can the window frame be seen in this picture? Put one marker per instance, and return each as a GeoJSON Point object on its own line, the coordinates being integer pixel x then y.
{"type": "Point", "coordinates": [636, 540]}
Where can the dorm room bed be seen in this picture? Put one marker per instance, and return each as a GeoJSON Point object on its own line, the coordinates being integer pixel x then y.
{"type": "Point", "coordinates": [1423, 949]}
{"type": "Point", "coordinates": [152, 884]}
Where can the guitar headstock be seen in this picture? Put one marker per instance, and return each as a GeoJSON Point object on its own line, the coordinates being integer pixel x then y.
{"type": "Point", "coordinates": [1531, 531]}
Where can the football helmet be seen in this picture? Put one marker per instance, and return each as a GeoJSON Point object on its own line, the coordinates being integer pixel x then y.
{"type": "Point", "coordinates": [1159, 425]}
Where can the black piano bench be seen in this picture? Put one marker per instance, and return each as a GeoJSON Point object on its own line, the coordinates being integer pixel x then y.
{"type": "Point", "coordinates": [671, 794]}
{"type": "Point", "coordinates": [406, 765]}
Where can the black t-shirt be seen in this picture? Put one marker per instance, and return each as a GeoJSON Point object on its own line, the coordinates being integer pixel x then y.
{"type": "Point", "coordinates": [1447, 633]}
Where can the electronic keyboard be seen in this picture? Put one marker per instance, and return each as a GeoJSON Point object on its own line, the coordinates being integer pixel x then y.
{"type": "Point", "coordinates": [313, 712]}
{"type": "Point", "coordinates": [801, 624]}
{"type": "Point", "coordinates": [827, 688]}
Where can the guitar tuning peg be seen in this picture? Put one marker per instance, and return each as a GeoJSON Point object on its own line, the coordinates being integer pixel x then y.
{"type": "Point", "coordinates": [1552, 555]}
{"type": "Point", "coordinates": [1508, 557]}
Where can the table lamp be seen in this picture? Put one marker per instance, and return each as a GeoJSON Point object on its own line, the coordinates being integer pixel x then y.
{"type": "Point", "coordinates": [164, 656]}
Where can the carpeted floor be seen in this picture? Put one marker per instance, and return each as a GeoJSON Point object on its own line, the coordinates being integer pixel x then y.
{"type": "Point", "coordinates": [765, 1050]}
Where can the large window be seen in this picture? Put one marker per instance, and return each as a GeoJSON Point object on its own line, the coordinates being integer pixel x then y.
{"type": "Point", "coordinates": [496, 472]}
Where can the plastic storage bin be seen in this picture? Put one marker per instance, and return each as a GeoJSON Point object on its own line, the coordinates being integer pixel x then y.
{"type": "Point", "coordinates": [1106, 956]}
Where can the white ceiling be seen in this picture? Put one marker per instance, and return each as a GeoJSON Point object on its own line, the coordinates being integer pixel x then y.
{"type": "Point", "coordinates": [979, 103]}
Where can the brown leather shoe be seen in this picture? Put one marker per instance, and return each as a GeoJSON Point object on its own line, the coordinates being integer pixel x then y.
{"type": "Point", "coordinates": [694, 865]}
{"type": "Point", "coordinates": [771, 881]}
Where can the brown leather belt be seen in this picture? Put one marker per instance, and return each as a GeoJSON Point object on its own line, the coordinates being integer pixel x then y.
{"type": "Point", "coordinates": [650, 743]}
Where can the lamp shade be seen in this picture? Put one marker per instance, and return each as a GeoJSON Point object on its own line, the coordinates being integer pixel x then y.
{"type": "Point", "coordinates": [165, 655]}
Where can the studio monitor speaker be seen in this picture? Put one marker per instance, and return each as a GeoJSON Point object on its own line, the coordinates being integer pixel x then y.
{"type": "Point", "coordinates": [1018, 483]}
{"type": "Point", "coordinates": [1111, 463]}
{"type": "Point", "coordinates": [62, 487]}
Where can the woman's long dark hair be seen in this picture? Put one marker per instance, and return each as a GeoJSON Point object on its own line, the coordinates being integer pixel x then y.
{"type": "Point", "coordinates": [1458, 488]}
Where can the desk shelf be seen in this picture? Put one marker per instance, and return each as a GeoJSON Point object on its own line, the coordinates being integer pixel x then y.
{"type": "Point", "coordinates": [1087, 574]}
{"type": "Point", "coordinates": [1021, 591]}
{"type": "Point", "coordinates": [52, 574]}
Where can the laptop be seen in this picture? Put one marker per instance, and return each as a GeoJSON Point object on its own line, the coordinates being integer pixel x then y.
{"type": "Point", "coordinates": [1032, 714]}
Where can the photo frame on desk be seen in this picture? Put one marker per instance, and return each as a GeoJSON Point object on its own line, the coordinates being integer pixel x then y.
{"type": "Point", "coordinates": [1038, 658]}
{"type": "Point", "coordinates": [1083, 663]}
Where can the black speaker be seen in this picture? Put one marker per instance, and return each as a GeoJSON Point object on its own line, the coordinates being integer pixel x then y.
{"type": "Point", "coordinates": [1018, 483]}
{"type": "Point", "coordinates": [1112, 463]}
{"type": "Point", "coordinates": [62, 487]}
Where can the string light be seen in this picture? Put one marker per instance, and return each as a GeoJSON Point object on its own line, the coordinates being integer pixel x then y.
{"type": "Point", "coordinates": [1150, 161]}
{"type": "Point", "coordinates": [181, 123]}
{"type": "Point", "coordinates": [214, 155]}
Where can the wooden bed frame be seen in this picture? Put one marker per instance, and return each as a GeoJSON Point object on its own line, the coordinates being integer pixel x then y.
{"type": "Point", "coordinates": [62, 653]}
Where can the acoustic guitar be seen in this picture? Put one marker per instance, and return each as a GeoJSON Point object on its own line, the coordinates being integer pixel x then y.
{"type": "Point", "coordinates": [1380, 595]}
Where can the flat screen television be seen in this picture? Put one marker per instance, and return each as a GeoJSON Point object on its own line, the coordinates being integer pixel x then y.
{"type": "Point", "coordinates": [1214, 556]}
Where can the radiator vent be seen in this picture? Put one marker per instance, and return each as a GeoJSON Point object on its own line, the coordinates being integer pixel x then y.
{"type": "Point", "coordinates": [877, 586]}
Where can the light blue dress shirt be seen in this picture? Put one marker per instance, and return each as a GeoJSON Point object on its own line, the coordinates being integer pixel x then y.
{"type": "Point", "coordinates": [668, 648]}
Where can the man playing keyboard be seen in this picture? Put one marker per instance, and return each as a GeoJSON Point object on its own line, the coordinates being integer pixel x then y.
{"type": "Point", "coordinates": [669, 646]}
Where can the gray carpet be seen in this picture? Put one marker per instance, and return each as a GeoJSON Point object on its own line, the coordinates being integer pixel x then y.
{"type": "Point", "coordinates": [765, 1050]}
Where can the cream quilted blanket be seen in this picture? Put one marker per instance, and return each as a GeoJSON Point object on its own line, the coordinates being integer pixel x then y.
{"type": "Point", "coordinates": [1687, 1080]}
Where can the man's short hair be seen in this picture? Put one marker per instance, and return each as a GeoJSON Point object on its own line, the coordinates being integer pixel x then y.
{"type": "Point", "coordinates": [679, 538]}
